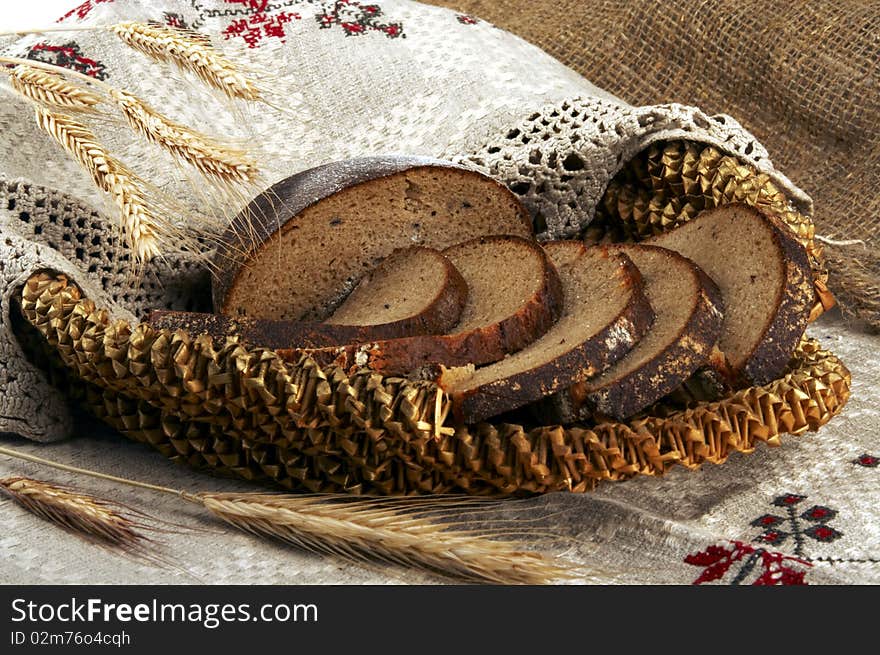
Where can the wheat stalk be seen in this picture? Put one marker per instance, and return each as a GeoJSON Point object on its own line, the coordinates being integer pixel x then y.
{"type": "Point", "coordinates": [142, 208]}
{"type": "Point", "coordinates": [139, 222]}
{"type": "Point", "coordinates": [399, 531]}
{"type": "Point", "coordinates": [99, 520]}
{"type": "Point", "coordinates": [207, 155]}
{"type": "Point", "coordinates": [170, 45]}
{"type": "Point", "coordinates": [367, 530]}
{"type": "Point", "coordinates": [50, 89]}
{"type": "Point", "coordinates": [219, 162]}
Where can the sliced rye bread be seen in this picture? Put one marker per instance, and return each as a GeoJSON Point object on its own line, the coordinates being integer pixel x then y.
{"type": "Point", "coordinates": [766, 283]}
{"type": "Point", "coordinates": [514, 296]}
{"type": "Point", "coordinates": [605, 313]}
{"type": "Point", "coordinates": [413, 291]}
{"type": "Point", "coordinates": [688, 321]}
{"type": "Point", "coordinates": [299, 248]}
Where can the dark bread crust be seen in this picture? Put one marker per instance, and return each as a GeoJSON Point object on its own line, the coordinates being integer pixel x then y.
{"type": "Point", "coordinates": [795, 301]}
{"type": "Point", "coordinates": [273, 209]}
{"type": "Point", "coordinates": [268, 333]}
{"type": "Point", "coordinates": [788, 318]}
{"type": "Point", "coordinates": [706, 384]}
{"type": "Point", "coordinates": [439, 315]}
{"type": "Point", "coordinates": [686, 351]}
{"type": "Point", "coordinates": [481, 345]}
{"type": "Point", "coordinates": [586, 359]}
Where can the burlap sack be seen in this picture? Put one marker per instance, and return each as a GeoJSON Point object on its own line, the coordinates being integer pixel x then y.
{"type": "Point", "coordinates": [801, 76]}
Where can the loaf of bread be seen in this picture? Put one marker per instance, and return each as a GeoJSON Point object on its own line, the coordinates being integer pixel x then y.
{"type": "Point", "coordinates": [570, 326]}
{"type": "Point", "coordinates": [605, 313]}
{"type": "Point", "coordinates": [688, 310]}
{"type": "Point", "coordinates": [514, 297]}
{"type": "Point", "coordinates": [298, 249]}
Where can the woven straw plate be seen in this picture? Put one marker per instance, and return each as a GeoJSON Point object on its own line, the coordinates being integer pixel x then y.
{"type": "Point", "coordinates": [243, 411]}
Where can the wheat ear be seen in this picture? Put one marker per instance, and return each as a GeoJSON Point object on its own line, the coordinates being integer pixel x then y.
{"type": "Point", "coordinates": [207, 155]}
{"type": "Point", "coordinates": [50, 89]}
{"type": "Point", "coordinates": [170, 45]}
{"type": "Point", "coordinates": [365, 529]}
{"type": "Point", "coordinates": [218, 161]}
{"type": "Point", "coordinates": [96, 519]}
{"type": "Point", "coordinates": [139, 222]}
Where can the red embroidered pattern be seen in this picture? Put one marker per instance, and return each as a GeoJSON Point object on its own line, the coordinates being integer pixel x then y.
{"type": "Point", "coordinates": [68, 55]}
{"type": "Point", "coordinates": [867, 460]}
{"type": "Point", "coordinates": [82, 10]}
{"type": "Point", "coordinates": [174, 20]}
{"type": "Point", "coordinates": [356, 19]}
{"type": "Point", "coordinates": [773, 568]}
{"type": "Point", "coordinates": [260, 24]}
{"type": "Point", "coordinates": [772, 524]}
{"type": "Point", "coordinates": [255, 21]}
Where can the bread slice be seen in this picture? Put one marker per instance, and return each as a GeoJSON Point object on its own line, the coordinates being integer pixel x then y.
{"type": "Point", "coordinates": [687, 325]}
{"type": "Point", "coordinates": [300, 248]}
{"type": "Point", "coordinates": [514, 296]}
{"type": "Point", "coordinates": [414, 291]}
{"type": "Point", "coordinates": [765, 279]}
{"type": "Point", "coordinates": [605, 313]}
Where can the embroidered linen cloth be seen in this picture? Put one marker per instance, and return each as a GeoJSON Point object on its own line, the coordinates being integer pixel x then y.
{"type": "Point", "coordinates": [398, 76]}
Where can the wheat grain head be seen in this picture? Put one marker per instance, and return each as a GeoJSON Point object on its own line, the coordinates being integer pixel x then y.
{"type": "Point", "coordinates": [51, 89]}
{"type": "Point", "coordinates": [209, 156]}
{"type": "Point", "coordinates": [141, 227]}
{"type": "Point", "coordinates": [367, 530]}
{"type": "Point", "coordinates": [170, 45]}
{"type": "Point", "coordinates": [87, 516]}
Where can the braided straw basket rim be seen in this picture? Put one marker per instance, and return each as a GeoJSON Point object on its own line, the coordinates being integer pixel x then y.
{"type": "Point", "coordinates": [400, 452]}
{"type": "Point", "coordinates": [244, 412]}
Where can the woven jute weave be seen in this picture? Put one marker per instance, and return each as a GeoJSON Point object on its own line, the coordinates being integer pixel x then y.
{"type": "Point", "coordinates": [243, 411]}
{"type": "Point", "coordinates": [802, 76]}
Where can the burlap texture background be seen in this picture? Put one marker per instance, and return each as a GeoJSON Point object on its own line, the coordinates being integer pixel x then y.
{"type": "Point", "coordinates": [801, 76]}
